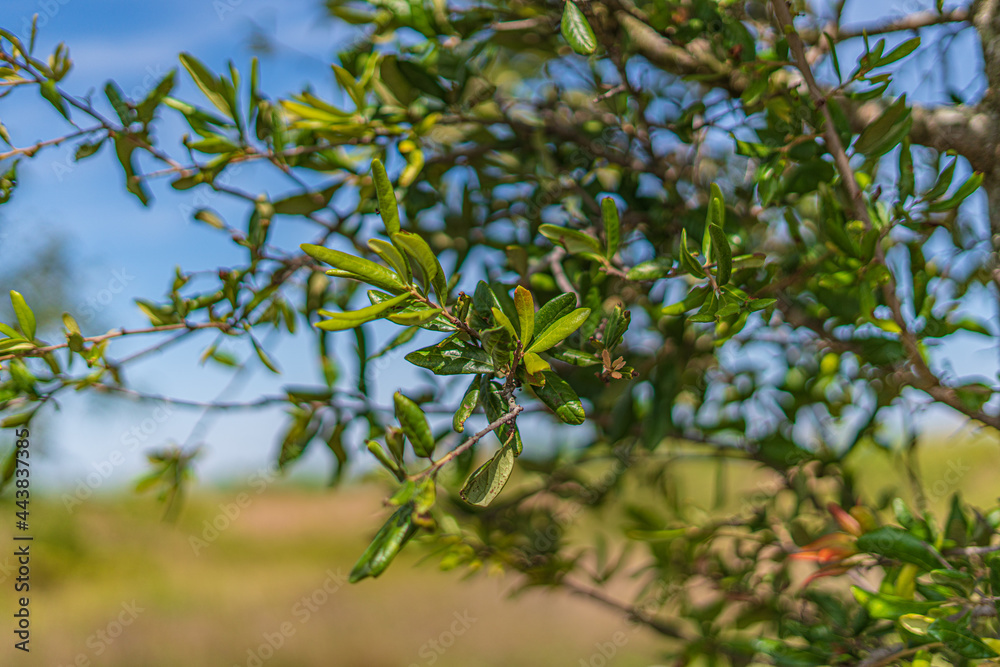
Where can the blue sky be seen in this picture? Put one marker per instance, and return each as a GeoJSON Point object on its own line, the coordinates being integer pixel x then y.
{"type": "Point", "coordinates": [121, 250]}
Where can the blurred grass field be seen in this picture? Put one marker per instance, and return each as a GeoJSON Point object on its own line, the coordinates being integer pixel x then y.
{"type": "Point", "coordinates": [278, 571]}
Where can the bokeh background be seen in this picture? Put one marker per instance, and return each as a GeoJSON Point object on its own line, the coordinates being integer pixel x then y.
{"type": "Point", "coordinates": [253, 571]}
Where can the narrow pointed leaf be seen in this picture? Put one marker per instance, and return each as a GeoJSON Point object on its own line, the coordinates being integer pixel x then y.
{"type": "Point", "coordinates": [366, 270]}
{"type": "Point", "coordinates": [417, 248]}
{"type": "Point", "coordinates": [355, 318]}
{"type": "Point", "coordinates": [525, 305]}
{"type": "Point", "coordinates": [393, 257]}
{"type": "Point", "coordinates": [559, 330]}
{"type": "Point", "coordinates": [387, 205]}
{"type": "Point", "coordinates": [503, 321]}
{"type": "Point", "coordinates": [723, 255]}
{"type": "Point", "coordinates": [415, 318]}
{"type": "Point", "coordinates": [25, 318]}
{"type": "Point", "coordinates": [387, 543]}
{"type": "Point", "coordinates": [575, 242]}
{"type": "Point", "coordinates": [688, 262]}
{"type": "Point", "coordinates": [612, 226]}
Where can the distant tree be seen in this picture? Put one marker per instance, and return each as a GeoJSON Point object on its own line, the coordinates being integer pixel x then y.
{"type": "Point", "coordinates": [684, 230]}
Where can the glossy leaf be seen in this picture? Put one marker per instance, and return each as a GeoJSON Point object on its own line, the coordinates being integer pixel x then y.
{"type": "Point", "coordinates": [723, 255]}
{"type": "Point", "coordinates": [489, 479]}
{"type": "Point", "coordinates": [559, 330]}
{"type": "Point", "coordinates": [393, 257]}
{"type": "Point", "coordinates": [452, 357]}
{"type": "Point", "coordinates": [339, 321]}
{"type": "Point", "coordinates": [413, 318]}
{"type": "Point", "coordinates": [388, 207]}
{"type": "Point", "coordinates": [25, 318]}
{"type": "Point", "coordinates": [387, 543]}
{"type": "Point", "coordinates": [577, 31]}
{"type": "Point", "coordinates": [525, 305]}
{"type": "Point", "coordinates": [575, 242]}
{"type": "Point", "coordinates": [359, 268]}
{"type": "Point", "coordinates": [414, 424]}
{"type": "Point", "coordinates": [960, 639]}
{"type": "Point", "coordinates": [554, 309]}
{"type": "Point", "coordinates": [896, 543]}
{"type": "Point", "coordinates": [891, 607]}
{"type": "Point", "coordinates": [496, 407]}
{"type": "Point", "coordinates": [688, 262]}
{"type": "Point", "coordinates": [417, 248]}
{"type": "Point", "coordinates": [560, 398]}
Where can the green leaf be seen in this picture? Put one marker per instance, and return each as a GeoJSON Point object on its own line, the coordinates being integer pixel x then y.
{"type": "Point", "coordinates": [891, 607]}
{"type": "Point", "coordinates": [207, 83]}
{"type": "Point", "coordinates": [393, 257]}
{"type": "Point", "coordinates": [387, 543]}
{"type": "Point", "coordinates": [943, 182]}
{"type": "Point", "coordinates": [960, 639]}
{"type": "Point", "coordinates": [8, 331]}
{"type": "Point", "coordinates": [503, 321]}
{"type": "Point", "coordinates": [124, 150]}
{"type": "Point", "coordinates": [688, 262]}
{"type": "Point", "coordinates": [896, 543]}
{"type": "Point", "coordinates": [559, 396]}
{"type": "Point", "coordinates": [716, 216]}
{"type": "Point", "coordinates": [612, 226]}
{"type": "Point", "coordinates": [25, 318]}
{"type": "Point", "coordinates": [906, 176]}
{"type": "Point", "coordinates": [438, 323]}
{"type": "Point", "coordinates": [559, 330]}
{"type": "Point", "coordinates": [577, 31]}
{"type": "Point", "coordinates": [723, 255]}
{"type": "Point", "coordinates": [872, 139]}
{"type": "Point", "coordinates": [49, 91]}
{"type": "Point", "coordinates": [361, 269]}
{"type": "Point", "coordinates": [417, 248]}
{"type": "Point", "coordinates": [414, 318]}
{"type": "Point", "coordinates": [653, 269]}
{"type": "Point", "coordinates": [575, 242]}
{"type": "Point", "coordinates": [496, 407]}
{"type": "Point", "coordinates": [489, 479]}
{"type": "Point", "coordinates": [388, 207]}
{"type": "Point", "coordinates": [263, 356]}
{"type": "Point", "coordinates": [469, 401]}
{"type": "Point", "coordinates": [499, 344]}
{"type": "Point", "coordinates": [553, 309]}
{"type": "Point", "coordinates": [524, 303]}
{"type": "Point", "coordinates": [966, 189]}
{"type": "Point", "coordinates": [414, 424]}
{"type": "Point", "coordinates": [146, 108]}
{"type": "Point", "coordinates": [900, 52]}
{"type": "Point", "coordinates": [355, 318]}
{"type": "Point", "coordinates": [305, 203]}
{"type": "Point", "coordinates": [452, 357]}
